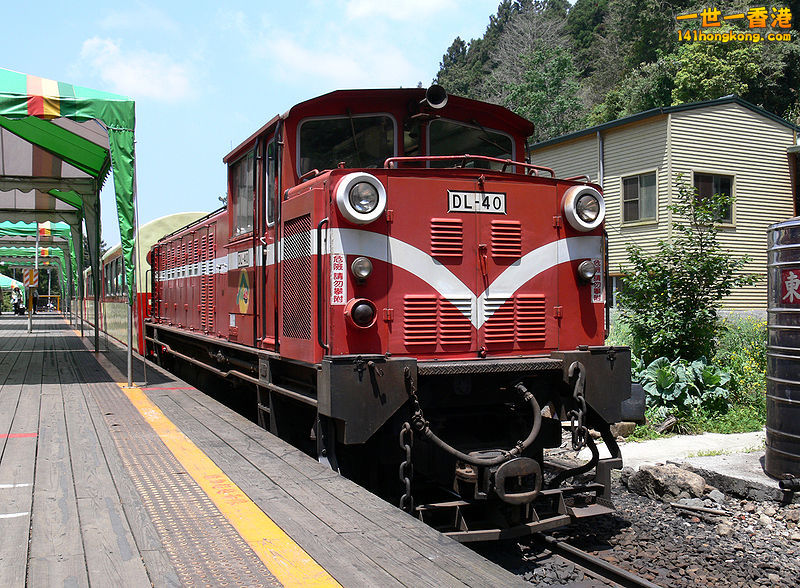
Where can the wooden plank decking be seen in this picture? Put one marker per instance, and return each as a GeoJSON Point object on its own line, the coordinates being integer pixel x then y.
{"type": "Point", "coordinates": [89, 495]}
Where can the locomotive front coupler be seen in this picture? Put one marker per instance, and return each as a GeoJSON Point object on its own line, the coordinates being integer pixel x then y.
{"type": "Point", "coordinates": [515, 479]}
{"type": "Point", "coordinates": [423, 427]}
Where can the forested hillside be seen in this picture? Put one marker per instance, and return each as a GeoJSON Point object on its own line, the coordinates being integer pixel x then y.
{"type": "Point", "coordinates": [567, 67]}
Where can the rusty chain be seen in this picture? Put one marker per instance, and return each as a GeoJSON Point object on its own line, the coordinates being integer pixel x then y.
{"type": "Point", "coordinates": [577, 416]}
{"type": "Point", "coordinates": [406, 471]}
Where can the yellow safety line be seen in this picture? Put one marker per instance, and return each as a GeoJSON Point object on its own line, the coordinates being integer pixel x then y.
{"type": "Point", "coordinates": [283, 557]}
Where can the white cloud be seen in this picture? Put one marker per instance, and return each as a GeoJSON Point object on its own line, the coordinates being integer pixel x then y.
{"type": "Point", "coordinates": [405, 10]}
{"type": "Point", "coordinates": [343, 65]}
{"type": "Point", "coordinates": [139, 74]}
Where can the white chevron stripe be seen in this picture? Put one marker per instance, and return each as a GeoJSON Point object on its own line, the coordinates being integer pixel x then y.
{"type": "Point", "coordinates": [421, 264]}
{"type": "Point", "coordinates": [415, 261]}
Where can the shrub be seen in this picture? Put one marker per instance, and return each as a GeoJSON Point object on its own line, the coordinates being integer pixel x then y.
{"type": "Point", "coordinates": [669, 299]}
{"type": "Point", "coordinates": [743, 352]}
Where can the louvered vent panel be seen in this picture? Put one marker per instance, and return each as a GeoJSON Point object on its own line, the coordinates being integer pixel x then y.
{"type": "Point", "coordinates": [447, 237]}
{"type": "Point", "coordinates": [297, 278]}
{"type": "Point", "coordinates": [210, 289]}
{"type": "Point", "coordinates": [419, 320]}
{"type": "Point", "coordinates": [499, 328]}
{"type": "Point", "coordinates": [203, 291]}
{"type": "Point", "coordinates": [455, 327]}
{"type": "Point", "coordinates": [506, 238]}
{"type": "Point", "coordinates": [155, 267]}
{"type": "Point", "coordinates": [530, 318]}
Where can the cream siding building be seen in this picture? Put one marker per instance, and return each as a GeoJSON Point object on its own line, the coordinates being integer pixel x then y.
{"type": "Point", "coordinates": [724, 145]}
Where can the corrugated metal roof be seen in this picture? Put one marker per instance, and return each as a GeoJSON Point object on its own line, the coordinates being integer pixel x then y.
{"type": "Point", "coordinates": [662, 111]}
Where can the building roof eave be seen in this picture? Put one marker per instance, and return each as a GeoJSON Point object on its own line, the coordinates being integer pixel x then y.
{"type": "Point", "coordinates": [663, 110]}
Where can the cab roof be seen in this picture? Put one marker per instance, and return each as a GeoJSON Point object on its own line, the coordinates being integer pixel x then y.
{"type": "Point", "coordinates": [339, 102]}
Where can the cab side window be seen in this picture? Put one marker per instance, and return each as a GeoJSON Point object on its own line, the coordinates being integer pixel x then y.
{"type": "Point", "coordinates": [241, 195]}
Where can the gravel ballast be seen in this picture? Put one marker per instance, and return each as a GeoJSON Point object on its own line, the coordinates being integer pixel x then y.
{"type": "Point", "coordinates": [756, 544]}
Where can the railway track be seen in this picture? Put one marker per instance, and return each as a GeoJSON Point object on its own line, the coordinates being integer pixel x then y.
{"type": "Point", "coordinates": [592, 566]}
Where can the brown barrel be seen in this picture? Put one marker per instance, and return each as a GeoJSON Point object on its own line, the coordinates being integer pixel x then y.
{"type": "Point", "coordinates": [783, 350]}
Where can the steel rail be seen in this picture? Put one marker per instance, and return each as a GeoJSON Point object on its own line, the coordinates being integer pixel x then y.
{"type": "Point", "coordinates": [593, 563]}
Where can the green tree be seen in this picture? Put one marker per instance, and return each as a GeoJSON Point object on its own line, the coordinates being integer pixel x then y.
{"type": "Point", "coordinates": [646, 87]}
{"type": "Point", "coordinates": [711, 70]}
{"type": "Point", "coordinates": [584, 26]}
{"type": "Point", "coordinates": [670, 298]}
{"type": "Point", "coordinates": [548, 93]}
{"type": "Point", "coordinates": [464, 65]}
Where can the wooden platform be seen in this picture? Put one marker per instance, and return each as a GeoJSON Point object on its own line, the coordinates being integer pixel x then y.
{"type": "Point", "coordinates": [161, 485]}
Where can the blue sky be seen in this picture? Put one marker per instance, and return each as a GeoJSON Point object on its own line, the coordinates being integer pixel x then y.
{"type": "Point", "coordinates": [205, 76]}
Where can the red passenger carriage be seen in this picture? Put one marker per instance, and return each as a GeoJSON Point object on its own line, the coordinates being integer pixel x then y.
{"type": "Point", "coordinates": [388, 267]}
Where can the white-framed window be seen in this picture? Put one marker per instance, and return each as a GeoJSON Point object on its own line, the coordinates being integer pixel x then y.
{"type": "Point", "coordinates": [241, 195]}
{"type": "Point", "coordinates": [708, 184]}
{"type": "Point", "coordinates": [639, 197]}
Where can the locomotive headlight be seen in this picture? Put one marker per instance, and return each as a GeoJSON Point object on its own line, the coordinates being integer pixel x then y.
{"type": "Point", "coordinates": [360, 197]}
{"type": "Point", "coordinates": [361, 312]}
{"type": "Point", "coordinates": [587, 207]}
{"type": "Point", "coordinates": [361, 268]}
{"type": "Point", "coordinates": [587, 270]}
{"type": "Point", "coordinates": [584, 208]}
{"type": "Point", "coordinates": [363, 197]}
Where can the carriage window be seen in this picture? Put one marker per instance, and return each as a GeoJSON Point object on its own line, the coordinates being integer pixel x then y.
{"type": "Point", "coordinates": [448, 137]}
{"type": "Point", "coordinates": [120, 277]}
{"type": "Point", "coordinates": [358, 141]}
{"type": "Point", "coordinates": [242, 195]}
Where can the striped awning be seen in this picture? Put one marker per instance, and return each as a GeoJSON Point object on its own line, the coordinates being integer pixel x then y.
{"type": "Point", "coordinates": [57, 145]}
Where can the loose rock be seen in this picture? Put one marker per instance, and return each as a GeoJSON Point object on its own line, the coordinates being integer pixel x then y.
{"type": "Point", "coordinates": [623, 429]}
{"type": "Point", "coordinates": [717, 496]}
{"type": "Point", "coordinates": [668, 483]}
{"type": "Point", "coordinates": [724, 530]}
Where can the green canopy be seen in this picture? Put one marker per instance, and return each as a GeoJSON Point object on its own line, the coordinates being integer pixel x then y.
{"type": "Point", "coordinates": [49, 234]}
{"type": "Point", "coordinates": [12, 257]}
{"type": "Point", "coordinates": [7, 282]}
{"type": "Point", "coordinates": [28, 107]}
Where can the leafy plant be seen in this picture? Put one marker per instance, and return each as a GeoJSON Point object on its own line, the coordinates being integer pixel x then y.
{"type": "Point", "coordinates": [681, 388]}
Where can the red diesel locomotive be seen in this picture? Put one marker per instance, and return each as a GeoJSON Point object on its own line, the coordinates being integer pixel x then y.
{"type": "Point", "coordinates": [400, 292]}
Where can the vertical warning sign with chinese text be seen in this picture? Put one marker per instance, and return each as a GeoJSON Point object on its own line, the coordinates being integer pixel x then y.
{"type": "Point", "coordinates": [338, 280]}
{"type": "Point", "coordinates": [597, 282]}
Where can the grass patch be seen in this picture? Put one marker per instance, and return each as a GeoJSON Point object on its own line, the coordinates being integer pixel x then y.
{"type": "Point", "coordinates": [707, 453]}
{"type": "Point", "coordinates": [644, 433]}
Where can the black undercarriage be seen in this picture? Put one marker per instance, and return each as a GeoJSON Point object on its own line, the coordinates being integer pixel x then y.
{"type": "Point", "coordinates": [465, 446]}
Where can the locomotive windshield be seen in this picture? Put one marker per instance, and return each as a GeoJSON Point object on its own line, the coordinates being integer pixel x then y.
{"type": "Point", "coordinates": [358, 141]}
{"type": "Point", "coordinates": [448, 137]}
